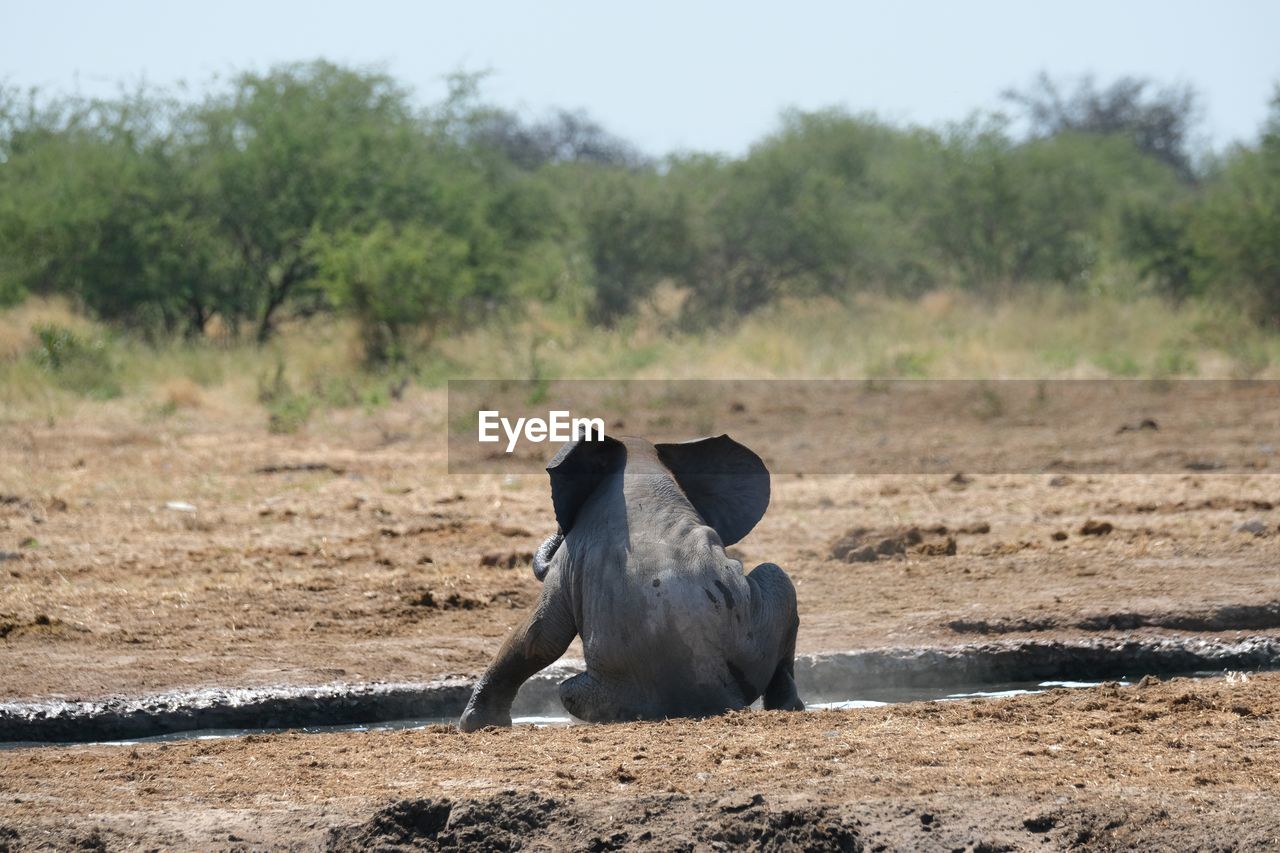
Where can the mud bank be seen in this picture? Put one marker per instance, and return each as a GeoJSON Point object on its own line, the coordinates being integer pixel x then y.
{"type": "Point", "coordinates": [1177, 764]}
{"type": "Point", "coordinates": [119, 718]}
{"type": "Point", "coordinates": [821, 677]}
{"type": "Point", "coordinates": [828, 677]}
{"type": "Point", "coordinates": [665, 822]}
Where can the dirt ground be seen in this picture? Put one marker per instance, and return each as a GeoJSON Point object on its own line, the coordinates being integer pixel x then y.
{"type": "Point", "coordinates": [1174, 765]}
{"type": "Point", "coordinates": [140, 554]}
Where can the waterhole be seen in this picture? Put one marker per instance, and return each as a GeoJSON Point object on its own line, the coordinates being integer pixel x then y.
{"type": "Point", "coordinates": [839, 680]}
{"type": "Point", "coordinates": [871, 698]}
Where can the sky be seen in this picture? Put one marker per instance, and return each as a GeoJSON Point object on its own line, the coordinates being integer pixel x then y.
{"type": "Point", "coordinates": [707, 76]}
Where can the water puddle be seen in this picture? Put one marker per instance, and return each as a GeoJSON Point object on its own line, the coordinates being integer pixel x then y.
{"type": "Point", "coordinates": [869, 698]}
{"type": "Point", "coordinates": [838, 680]}
{"type": "Point", "coordinates": [897, 695]}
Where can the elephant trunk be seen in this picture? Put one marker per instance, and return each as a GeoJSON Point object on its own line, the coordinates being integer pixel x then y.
{"type": "Point", "coordinates": [547, 550]}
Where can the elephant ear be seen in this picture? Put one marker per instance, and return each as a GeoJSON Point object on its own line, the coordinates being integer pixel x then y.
{"type": "Point", "coordinates": [726, 483]}
{"type": "Point", "coordinates": [577, 470]}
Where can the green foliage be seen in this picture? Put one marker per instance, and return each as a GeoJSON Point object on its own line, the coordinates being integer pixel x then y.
{"type": "Point", "coordinates": [96, 206]}
{"type": "Point", "coordinates": [1157, 121]}
{"type": "Point", "coordinates": [1042, 211]}
{"type": "Point", "coordinates": [84, 367]}
{"type": "Point", "coordinates": [287, 411]}
{"type": "Point", "coordinates": [289, 414]}
{"type": "Point", "coordinates": [634, 235]}
{"type": "Point", "coordinates": [1237, 227]}
{"type": "Point", "coordinates": [1158, 238]}
{"type": "Point", "coordinates": [302, 149]}
{"type": "Point", "coordinates": [1119, 363]}
{"type": "Point", "coordinates": [314, 188]}
{"type": "Point", "coordinates": [1174, 360]}
{"type": "Point", "coordinates": [813, 209]}
{"type": "Point", "coordinates": [417, 279]}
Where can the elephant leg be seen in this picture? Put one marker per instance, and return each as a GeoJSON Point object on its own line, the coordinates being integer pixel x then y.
{"type": "Point", "coordinates": [587, 699]}
{"type": "Point", "coordinates": [777, 620]}
{"type": "Point", "coordinates": [781, 694]}
{"type": "Point", "coordinates": [536, 644]}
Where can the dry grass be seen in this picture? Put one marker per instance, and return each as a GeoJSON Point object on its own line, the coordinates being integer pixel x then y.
{"type": "Point", "coordinates": [17, 335]}
{"type": "Point", "coordinates": [316, 363]}
{"type": "Point", "coordinates": [944, 334]}
{"type": "Point", "coordinates": [181, 393]}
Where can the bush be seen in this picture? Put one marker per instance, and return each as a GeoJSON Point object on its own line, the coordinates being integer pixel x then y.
{"type": "Point", "coordinates": [1237, 227]}
{"type": "Point", "coordinates": [287, 411]}
{"type": "Point", "coordinates": [402, 285]}
{"type": "Point", "coordinates": [76, 365]}
{"type": "Point", "coordinates": [313, 187]}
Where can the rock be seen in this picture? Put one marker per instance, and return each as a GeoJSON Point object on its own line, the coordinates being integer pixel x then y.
{"type": "Point", "coordinates": [1040, 823]}
{"type": "Point", "coordinates": [864, 545]}
{"type": "Point", "coordinates": [939, 549]}
{"type": "Point", "coordinates": [1096, 528]}
{"type": "Point", "coordinates": [1059, 480]}
{"type": "Point", "coordinates": [180, 506]}
{"type": "Point", "coordinates": [891, 546]}
{"type": "Point", "coordinates": [453, 601]}
{"type": "Point", "coordinates": [741, 802]}
{"type": "Point", "coordinates": [1059, 536]}
{"type": "Point", "coordinates": [1256, 526]}
{"type": "Point", "coordinates": [1144, 424]}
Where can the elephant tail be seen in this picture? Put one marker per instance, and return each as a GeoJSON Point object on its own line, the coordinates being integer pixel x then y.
{"type": "Point", "coordinates": [542, 557]}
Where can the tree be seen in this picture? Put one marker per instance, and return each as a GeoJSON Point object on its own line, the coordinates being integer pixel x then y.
{"type": "Point", "coordinates": [397, 282]}
{"type": "Point", "coordinates": [566, 136]}
{"type": "Point", "coordinates": [299, 150]}
{"type": "Point", "coordinates": [1237, 227]}
{"type": "Point", "coordinates": [1044, 210]}
{"type": "Point", "coordinates": [97, 205]}
{"type": "Point", "coordinates": [810, 209]}
{"type": "Point", "coordinates": [634, 234]}
{"type": "Point", "coordinates": [1159, 238]}
{"type": "Point", "coordinates": [1158, 122]}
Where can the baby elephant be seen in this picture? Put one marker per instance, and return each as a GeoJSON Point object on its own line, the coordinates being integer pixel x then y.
{"type": "Point", "coordinates": [670, 624]}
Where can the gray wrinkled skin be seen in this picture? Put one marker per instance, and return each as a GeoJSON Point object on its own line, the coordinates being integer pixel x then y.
{"type": "Point", "coordinates": [671, 626]}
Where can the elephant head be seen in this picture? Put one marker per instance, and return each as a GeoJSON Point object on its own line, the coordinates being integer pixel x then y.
{"type": "Point", "coordinates": [726, 482]}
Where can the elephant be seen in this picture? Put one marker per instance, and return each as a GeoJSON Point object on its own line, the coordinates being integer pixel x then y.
{"type": "Point", "coordinates": [671, 626]}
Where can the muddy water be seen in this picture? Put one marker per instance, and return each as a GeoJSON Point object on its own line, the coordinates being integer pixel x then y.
{"type": "Point", "coordinates": [868, 698]}
{"type": "Point", "coordinates": [873, 675]}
